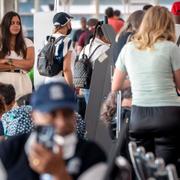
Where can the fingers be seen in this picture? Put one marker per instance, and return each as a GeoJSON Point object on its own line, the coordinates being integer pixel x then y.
{"type": "Point", "coordinates": [42, 160]}
{"type": "Point", "coordinates": [38, 158]}
{"type": "Point", "coordinates": [39, 149]}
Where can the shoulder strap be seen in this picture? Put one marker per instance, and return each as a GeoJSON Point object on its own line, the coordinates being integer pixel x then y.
{"type": "Point", "coordinates": [94, 51]}
{"type": "Point", "coordinates": [178, 41]}
{"type": "Point", "coordinates": [58, 39]}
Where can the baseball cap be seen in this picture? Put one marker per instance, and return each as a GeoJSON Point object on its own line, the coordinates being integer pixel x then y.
{"type": "Point", "coordinates": [175, 10]}
{"type": "Point", "coordinates": [61, 19]}
{"type": "Point", "coordinates": [52, 96]}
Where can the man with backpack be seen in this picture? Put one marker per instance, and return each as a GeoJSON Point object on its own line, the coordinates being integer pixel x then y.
{"type": "Point", "coordinates": [54, 60]}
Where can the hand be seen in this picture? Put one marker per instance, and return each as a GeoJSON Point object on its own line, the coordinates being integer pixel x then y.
{"type": "Point", "coordinates": [43, 160]}
{"type": "Point", "coordinates": [3, 61]}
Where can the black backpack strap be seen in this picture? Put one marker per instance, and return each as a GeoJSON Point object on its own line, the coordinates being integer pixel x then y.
{"type": "Point", "coordinates": [52, 38]}
{"type": "Point", "coordinates": [54, 42]}
{"type": "Point", "coordinates": [58, 39]}
{"type": "Point", "coordinates": [178, 41]}
{"type": "Point", "coordinates": [94, 51]}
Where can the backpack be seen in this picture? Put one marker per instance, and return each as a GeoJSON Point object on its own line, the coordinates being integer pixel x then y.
{"type": "Point", "coordinates": [47, 64]}
{"type": "Point", "coordinates": [83, 70]}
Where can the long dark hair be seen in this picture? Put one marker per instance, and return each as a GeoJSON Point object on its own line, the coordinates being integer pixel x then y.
{"type": "Point", "coordinates": [20, 46]}
{"type": "Point", "coordinates": [98, 32]}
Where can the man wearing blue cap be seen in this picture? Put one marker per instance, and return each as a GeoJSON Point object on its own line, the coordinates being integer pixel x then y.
{"type": "Point", "coordinates": [62, 157]}
{"type": "Point", "coordinates": [64, 47]}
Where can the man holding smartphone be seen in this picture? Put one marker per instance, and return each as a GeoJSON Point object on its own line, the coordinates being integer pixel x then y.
{"type": "Point", "coordinates": [52, 150]}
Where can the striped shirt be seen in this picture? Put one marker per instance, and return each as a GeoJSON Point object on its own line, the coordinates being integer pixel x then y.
{"type": "Point", "coordinates": [63, 46]}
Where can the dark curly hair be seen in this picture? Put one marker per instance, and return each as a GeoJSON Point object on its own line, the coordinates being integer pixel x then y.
{"type": "Point", "coordinates": [109, 12]}
{"type": "Point", "coordinates": [8, 92]}
{"type": "Point", "coordinates": [2, 105]}
{"type": "Point", "coordinates": [108, 108]}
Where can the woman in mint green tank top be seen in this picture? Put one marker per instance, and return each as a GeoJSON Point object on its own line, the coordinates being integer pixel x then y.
{"type": "Point", "coordinates": [152, 62]}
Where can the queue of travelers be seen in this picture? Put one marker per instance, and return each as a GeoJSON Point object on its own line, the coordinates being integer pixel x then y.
{"type": "Point", "coordinates": [43, 133]}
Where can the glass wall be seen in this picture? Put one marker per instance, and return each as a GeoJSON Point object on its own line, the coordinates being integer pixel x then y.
{"type": "Point", "coordinates": [25, 9]}
{"type": "Point", "coordinates": [78, 9]}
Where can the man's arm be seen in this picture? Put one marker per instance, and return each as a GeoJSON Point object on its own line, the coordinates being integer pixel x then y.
{"type": "Point", "coordinates": [67, 69]}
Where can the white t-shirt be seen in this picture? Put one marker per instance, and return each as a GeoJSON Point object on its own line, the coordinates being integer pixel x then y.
{"type": "Point", "coordinates": [150, 73]}
{"type": "Point", "coordinates": [88, 50]}
{"type": "Point", "coordinates": [13, 54]}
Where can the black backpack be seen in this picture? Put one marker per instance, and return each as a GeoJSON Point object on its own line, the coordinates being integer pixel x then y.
{"type": "Point", "coordinates": [47, 65]}
{"type": "Point", "coordinates": [83, 70]}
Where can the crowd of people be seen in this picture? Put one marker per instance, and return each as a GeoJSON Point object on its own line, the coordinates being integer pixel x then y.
{"type": "Point", "coordinates": [43, 131]}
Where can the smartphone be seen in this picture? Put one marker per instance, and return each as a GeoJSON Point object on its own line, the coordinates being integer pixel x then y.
{"type": "Point", "coordinates": [45, 136]}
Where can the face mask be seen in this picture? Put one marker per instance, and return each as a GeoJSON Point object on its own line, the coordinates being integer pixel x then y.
{"type": "Point", "coordinates": [69, 31]}
{"type": "Point", "coordinates": [68, 144]}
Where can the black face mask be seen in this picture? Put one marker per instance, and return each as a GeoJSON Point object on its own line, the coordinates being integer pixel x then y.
{"type": "Point", "coordinates": [69, 31]}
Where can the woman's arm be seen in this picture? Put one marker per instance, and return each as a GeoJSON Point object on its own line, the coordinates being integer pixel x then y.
{"type": "Point", "coordinates": [67, 69]}
{"type": "Point", "coordinates": [177, 78]}
{"type": "Point", "coordinates": [4, 66]}
{"type": "Point", "coordinates": [118, 80]}
{"type": "Point", "coordinates": [27, 63]}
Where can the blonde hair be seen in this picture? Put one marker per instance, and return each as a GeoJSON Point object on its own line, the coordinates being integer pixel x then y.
{"type": "Point", "coordinates": [156, 25]}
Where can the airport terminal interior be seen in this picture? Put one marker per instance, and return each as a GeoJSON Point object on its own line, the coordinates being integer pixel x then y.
{"type": "Point", "coordinates": [89, 89]}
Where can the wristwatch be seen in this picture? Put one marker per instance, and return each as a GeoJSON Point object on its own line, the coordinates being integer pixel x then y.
{"type": "Point", "coordinates": [10, 62]}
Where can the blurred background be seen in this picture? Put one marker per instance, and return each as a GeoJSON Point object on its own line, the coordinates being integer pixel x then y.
{"type": "Point", "coordinates": [78, 8]}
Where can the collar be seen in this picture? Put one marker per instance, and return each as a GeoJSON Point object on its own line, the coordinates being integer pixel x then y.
{"type": "Point", "coordinates": [56, 35]}
{"type": "Point", "coordinates": [98, 42]}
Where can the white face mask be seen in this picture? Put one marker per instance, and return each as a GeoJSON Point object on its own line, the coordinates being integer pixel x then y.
{"type": "Point", "coordinates": [68, 143]}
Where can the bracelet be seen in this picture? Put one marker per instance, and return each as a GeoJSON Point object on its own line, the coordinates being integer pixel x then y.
{"type": "Point", "coordinates": [10, 62]}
